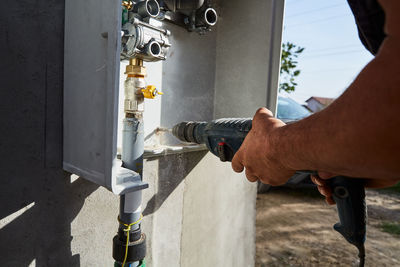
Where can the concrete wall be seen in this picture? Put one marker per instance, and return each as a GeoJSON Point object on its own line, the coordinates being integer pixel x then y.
{"type": "Point", "coordinates": [197, 219]}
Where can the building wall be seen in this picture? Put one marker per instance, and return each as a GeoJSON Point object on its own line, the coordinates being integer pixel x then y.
{"type": "Point", "coordinates": [48, 218]}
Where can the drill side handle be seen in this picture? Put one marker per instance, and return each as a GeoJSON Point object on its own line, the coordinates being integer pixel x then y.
{"type": "Point", "coordinates": [349, 195]}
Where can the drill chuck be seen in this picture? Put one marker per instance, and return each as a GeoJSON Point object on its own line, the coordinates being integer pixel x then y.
{"type": "Point", "coordinates": [187, 131]}
{"type": "Point", "coordinates": [222, 137]}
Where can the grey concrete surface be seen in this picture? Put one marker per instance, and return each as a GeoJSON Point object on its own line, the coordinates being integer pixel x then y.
{"type": "Point", "coordinates": [195, 217]}
{"type": "Point", "coordinates": [218, 217]}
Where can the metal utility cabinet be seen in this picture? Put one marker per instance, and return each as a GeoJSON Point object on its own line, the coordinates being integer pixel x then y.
{"type": "Point", "coordinates": [197, 211]}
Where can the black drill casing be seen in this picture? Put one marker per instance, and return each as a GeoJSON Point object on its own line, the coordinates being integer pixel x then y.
{"type": "Point", "coordinates": [222, 137]}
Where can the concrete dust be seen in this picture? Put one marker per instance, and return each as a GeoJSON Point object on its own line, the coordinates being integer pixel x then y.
{"type": "Point", "coordinates": [294, 228]}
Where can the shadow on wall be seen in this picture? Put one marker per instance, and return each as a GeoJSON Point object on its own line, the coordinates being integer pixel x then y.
{"type": "Point", "coordinates": [180, 165]}
{"type": "Point", "coordinates": [37, 199]}
{"type": "Point", "coordinates": [42, 232]}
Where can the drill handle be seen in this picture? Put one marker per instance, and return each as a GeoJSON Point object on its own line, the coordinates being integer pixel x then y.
{"type": "Point", "coordinates": [349, 195]}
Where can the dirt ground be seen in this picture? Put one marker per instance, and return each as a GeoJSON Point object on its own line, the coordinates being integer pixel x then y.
{"type": "Point", "coordinates": [294, 228]}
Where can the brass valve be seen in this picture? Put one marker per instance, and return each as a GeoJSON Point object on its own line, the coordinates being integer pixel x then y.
{"type": "Point", "coordinates": [151, 92]}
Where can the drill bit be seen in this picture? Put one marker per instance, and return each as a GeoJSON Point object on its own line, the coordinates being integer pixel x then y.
{"type": "Point", "coordinates": [163, 129]}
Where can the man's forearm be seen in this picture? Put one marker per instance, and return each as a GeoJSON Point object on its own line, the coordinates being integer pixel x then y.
{"type": "Point", "coordinates": [359, 134]}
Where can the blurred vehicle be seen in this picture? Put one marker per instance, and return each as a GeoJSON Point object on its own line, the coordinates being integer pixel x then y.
{"type": "Point", "coordinates": [289, 111]}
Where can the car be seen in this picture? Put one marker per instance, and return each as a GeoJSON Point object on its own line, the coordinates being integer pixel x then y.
{"type": "Point", "coordinates": [289, 111]}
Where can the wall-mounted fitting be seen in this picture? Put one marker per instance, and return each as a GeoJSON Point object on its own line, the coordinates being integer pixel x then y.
{"type": "Point", "coordinates": [194, 15]}
{"type": "Point", "coordinates": [144, 40]}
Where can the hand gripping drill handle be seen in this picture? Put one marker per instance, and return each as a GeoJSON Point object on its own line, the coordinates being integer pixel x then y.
{"type": "Point", "coordinates": [224, 137]}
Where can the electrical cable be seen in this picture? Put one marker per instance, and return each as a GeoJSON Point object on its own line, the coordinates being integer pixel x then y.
{"type": "Point", "coordinates": [294, 2]}
{"type": "Point", "coordinates": [330, 70]}
{"type": "Point", "coordinates": [127, 229]}
{"type": "Point", "coordinates": [319, 20]}
{"type": "Point", "coordinates": [333, 48]}
{"type": "Point", "coordinates": [313, 10]}
{"type": "Point", "coordinates": [333, 54]}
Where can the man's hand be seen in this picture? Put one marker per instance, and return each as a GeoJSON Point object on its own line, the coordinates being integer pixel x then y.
{"type": "Point", "coordinates": [258, 153]}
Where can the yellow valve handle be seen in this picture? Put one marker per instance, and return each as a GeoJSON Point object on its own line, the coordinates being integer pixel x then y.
{"type": "Point", "coordinates": [151, 92]}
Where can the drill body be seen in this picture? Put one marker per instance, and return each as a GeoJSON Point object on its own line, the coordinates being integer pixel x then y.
{"type": "Point", "coordinates": [223, 137]}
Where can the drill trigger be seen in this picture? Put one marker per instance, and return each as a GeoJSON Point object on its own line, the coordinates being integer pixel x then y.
{"type": "Point", "coordinates": [222, 151]}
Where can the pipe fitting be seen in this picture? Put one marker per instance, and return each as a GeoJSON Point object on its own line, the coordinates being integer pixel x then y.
{"type": "Point", "coordinates": [145, 41]}
{"type": "Point", "coordinates": [147, 8]}
{"type": "Point", "coordinates": [153, 49]}
{"type": "Point", "coordinates": [207, 17]}
{"type": "Point", "coordinates": [195, 15]}
{"type": "Point", "coordinates": [135, 68]}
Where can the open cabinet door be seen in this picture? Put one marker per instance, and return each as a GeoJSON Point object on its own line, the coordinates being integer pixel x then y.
{"type": "Point", "coordinates": [91, 86]}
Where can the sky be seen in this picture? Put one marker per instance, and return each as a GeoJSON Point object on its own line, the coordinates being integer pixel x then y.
{"type": "Point", "coordinates": [333, 54]}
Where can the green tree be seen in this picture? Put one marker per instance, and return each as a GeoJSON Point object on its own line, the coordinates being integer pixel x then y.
{"type": "Point", "coordinates": [289, 70]}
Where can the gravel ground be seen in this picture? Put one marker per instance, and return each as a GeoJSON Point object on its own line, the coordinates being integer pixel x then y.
{"type": "Point", "coordinates": [294, 228]}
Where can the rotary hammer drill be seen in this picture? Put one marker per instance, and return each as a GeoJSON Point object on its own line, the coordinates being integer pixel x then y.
{"type": "Point", "coordinates": [223, 137]}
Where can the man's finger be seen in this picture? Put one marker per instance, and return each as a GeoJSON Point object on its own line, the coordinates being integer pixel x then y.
{"type": "Point", "coordinates": [261, 114]}
{"type": "Point", "coordinates": [330, 201]}
{"type": "Point", "coordinates": [251, 177]}
{"type": "Point", "coordinates": [237, 165]}
{"type": "Point", "coordinates": [318, 181]}
{"type": "Point", "coordinates": [326, 175]}
{"type": "Point", "coordinates": [264, 111]}
{"type": "Point", "coordinates": [325, 191]}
